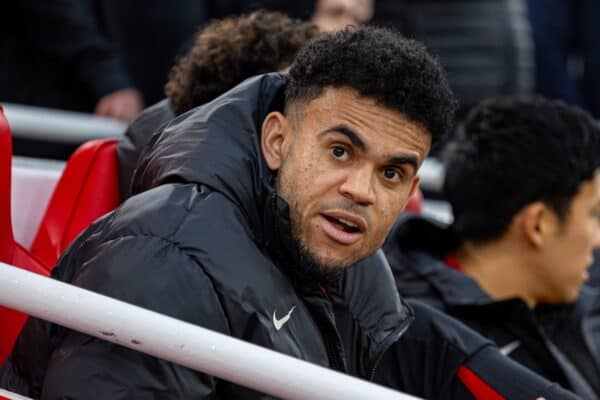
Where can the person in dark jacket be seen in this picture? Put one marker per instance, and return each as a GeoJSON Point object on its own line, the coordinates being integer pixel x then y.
{"type": "Point", "coordinates": [439, 358]}
{"type": "Point", "coordinates": [524, 187]}
{"type": "Point", "coordinates": [254, 206]}
{"type": "Point", "coordinates": [225, 52]}
{"type": "Point", "coordinates": [58, 54]}
{"type": "Point", "coordinates": [564, 31]}
{"type": "Point", "coordinates": [109, 57]}
{"type": "Point", "coordinates": [259, 216]}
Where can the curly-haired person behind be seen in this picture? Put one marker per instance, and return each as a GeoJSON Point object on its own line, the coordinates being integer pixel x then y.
{"type": "Point", "coordinates": [224, 53]}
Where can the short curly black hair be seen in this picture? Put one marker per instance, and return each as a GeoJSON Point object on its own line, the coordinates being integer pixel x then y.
{"type": "Point", "coordinates": [227, 51]}
{"type": "Point", "coordinates": [515, 151]}
{"type": "Point", "coordinates": [381, 64]}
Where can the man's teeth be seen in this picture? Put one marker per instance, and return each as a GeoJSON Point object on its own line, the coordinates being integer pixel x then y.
{"type": "Point", "coordinates": [348, 223]}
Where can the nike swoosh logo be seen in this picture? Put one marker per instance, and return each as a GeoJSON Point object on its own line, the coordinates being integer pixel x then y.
{"type": "Point", "coordinates": [279, 323]}
{"type": "Point", "coordinates": [509, 348]}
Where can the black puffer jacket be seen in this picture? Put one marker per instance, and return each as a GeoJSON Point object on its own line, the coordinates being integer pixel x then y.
{"type": "Point", "coordinates": [208, 242]}
{"type": "Point", "coordinates": [561, 343]}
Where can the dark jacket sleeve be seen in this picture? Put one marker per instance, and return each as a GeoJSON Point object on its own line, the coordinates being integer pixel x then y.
{"type": "Point", "coordinates": [439, 358]}
{"type": "Point", "coordinates": [69, 33]}
{"type": "Point", "coordinates": [150, 272]}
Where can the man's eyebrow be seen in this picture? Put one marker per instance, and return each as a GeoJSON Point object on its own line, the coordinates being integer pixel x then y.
{"type": "Point", "coordinates": [349, 133]}
{"type": "Point", "coordinates": [358, 142]}
{"type": "Point", "coordinates": [404, 159]}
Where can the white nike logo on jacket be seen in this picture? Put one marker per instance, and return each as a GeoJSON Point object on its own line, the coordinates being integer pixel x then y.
{"type": "Point", "coordinates": [279, 323]}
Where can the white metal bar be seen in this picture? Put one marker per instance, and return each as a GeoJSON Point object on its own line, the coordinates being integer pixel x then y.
{"type": "Point", "coordinates": [432, 174]}
{"type": "Point", "coordinates": [60, 126]}
{"type": "Point", "coordinates": [438, 210]}
{"type": "Point", "coordinates": [179, 342]}
{"type": "Point", "coordinates": [12, 396]}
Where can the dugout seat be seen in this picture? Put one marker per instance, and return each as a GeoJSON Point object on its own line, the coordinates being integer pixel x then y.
{"type": "Point", "coordinates": [415, 203]}
{"type": "Point", "coordinates": [11, 252]}
{"type": "Point", "coordinates": [87, 189]}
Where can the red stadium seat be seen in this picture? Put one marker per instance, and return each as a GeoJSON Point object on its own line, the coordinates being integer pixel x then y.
{"type": "Point", "coordinates": [87, 189]}
{"type": "Point", "coordinates": [11, 252]}
{"type": "Point", "coordinates": [415, 203]}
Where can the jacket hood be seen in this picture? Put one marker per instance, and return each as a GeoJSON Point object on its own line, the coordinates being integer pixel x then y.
{"type": "Point", "coordinates": [217, 145]}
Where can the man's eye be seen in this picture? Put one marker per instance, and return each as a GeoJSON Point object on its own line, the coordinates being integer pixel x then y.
{"type": "Point", "coordinates": [391, 174]}
{"type": "Point", "coordinates": [339, 152]}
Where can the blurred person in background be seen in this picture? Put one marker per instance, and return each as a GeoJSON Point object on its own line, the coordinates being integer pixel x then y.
{"type": "Point", "coordinates": [109, 57]}
{"type": "Point", "coordinates": [225, 53]}
{"type": "Point", "coordinates": [485, 46]}
{"type": "Point", "coordinates": [153, 34]}
{"type": "Point", "coordinates": [57, 54]}
{"type": "Point", "coordinates": [567, 42]}
{"type": "Point", "coordinates": [524, 184]}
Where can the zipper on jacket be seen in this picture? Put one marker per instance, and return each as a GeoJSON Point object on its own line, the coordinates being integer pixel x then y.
{"type": "Point", "coordinates": [334, 357]}
{"type": "Point", "coordinates": [326, 324]}
{"type": "Point", "coordinates": [332, 337]}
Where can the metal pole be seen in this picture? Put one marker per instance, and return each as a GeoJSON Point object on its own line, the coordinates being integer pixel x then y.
{"type": "Point", "coordinates": [5, 394]}
{"type": "Point", "coordinates": [173, 340]}
{"type": "Point", "coordinates": [48, 124]}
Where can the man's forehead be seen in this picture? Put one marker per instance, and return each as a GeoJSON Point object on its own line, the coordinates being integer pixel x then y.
{"type": "Point", "coordinates": [346, 102]}
{"type": "Point", "coordinates": [365, 115]}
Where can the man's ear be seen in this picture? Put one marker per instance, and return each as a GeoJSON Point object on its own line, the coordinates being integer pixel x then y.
{"type": "Point", "coordinates": [537, 222]}
{"type": "Point", "coordinates": [273, 140]}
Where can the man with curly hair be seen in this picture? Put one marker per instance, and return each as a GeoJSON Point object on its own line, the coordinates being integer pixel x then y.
{"type": "Point", "coordinates": [225, 52]}
{"type": "Point", "coordinates": [260, 215]}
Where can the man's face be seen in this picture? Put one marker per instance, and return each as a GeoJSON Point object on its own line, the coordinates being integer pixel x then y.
{"type": "Point", "coordinates": [347, 169]}
{"type": "Point", "coordinates": [568, 254]}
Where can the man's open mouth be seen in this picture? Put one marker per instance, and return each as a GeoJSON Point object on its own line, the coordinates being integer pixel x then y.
{"type": "Point", "coordinates": [343, 227]}
{"type": "Point", "coordinates": [347, 226]}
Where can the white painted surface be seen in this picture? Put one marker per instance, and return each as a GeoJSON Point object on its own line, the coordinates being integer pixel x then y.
{"type": "Point", "coordinates": [179, 342]}
{"type": "Point", "coordinates": [33, 181]}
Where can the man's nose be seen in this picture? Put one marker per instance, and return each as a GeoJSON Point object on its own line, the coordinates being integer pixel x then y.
{"type": "Point", "coordinates": [358, 186]}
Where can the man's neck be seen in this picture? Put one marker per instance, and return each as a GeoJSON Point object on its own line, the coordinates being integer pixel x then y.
{"type": "Point", "coordinates": [499, 269]}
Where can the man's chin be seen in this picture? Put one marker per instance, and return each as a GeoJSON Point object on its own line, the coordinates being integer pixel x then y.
{"type": "Point", "coordinates": [320, 269]}
{"type": "Point", "coordinates": [329, 261]}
